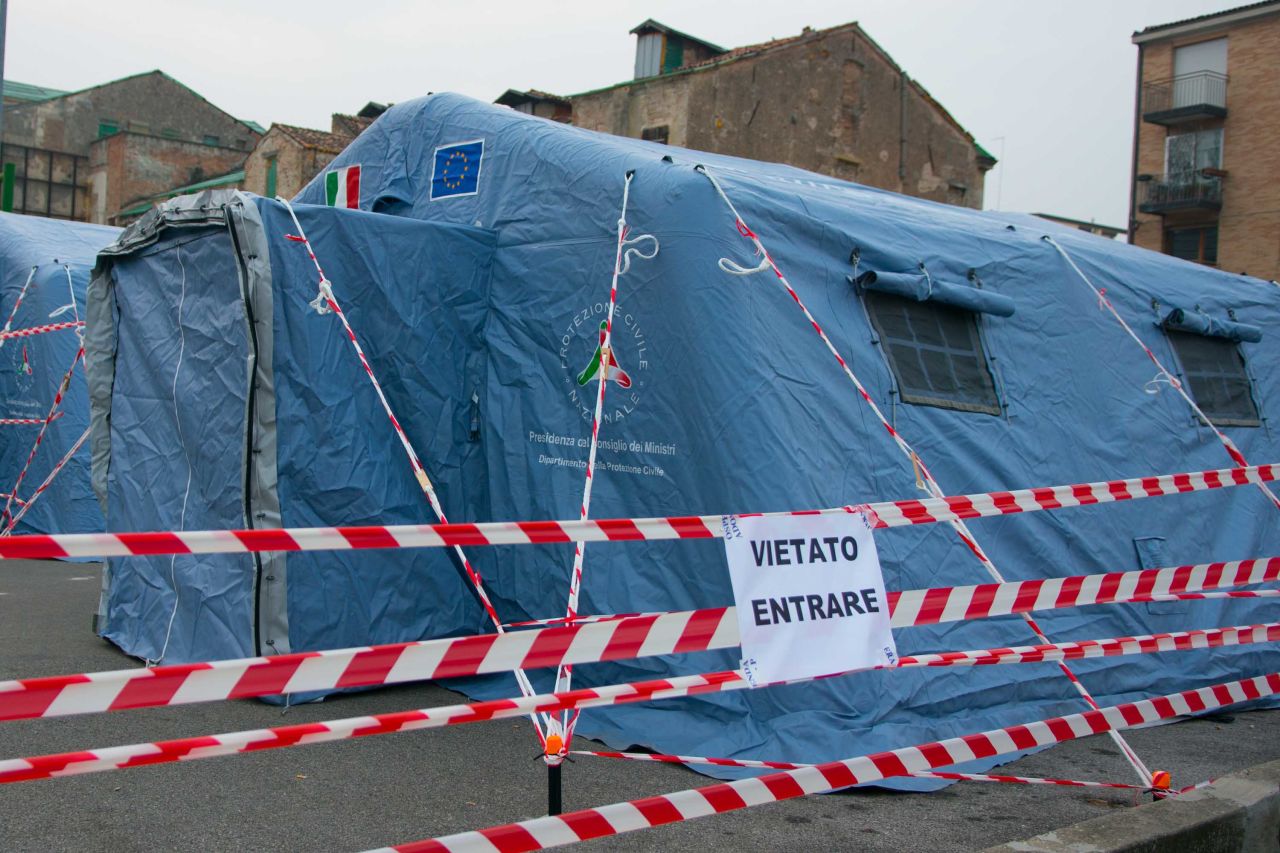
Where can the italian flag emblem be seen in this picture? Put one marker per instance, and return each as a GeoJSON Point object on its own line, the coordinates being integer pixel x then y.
{"type": "Point", "coordinates": [342, 187]}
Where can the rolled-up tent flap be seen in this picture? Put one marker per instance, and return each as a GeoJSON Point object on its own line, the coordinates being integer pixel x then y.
{"type": "Point", "coordinates": [909, 285]}
{"type": "Point", "coordinates": [918, 286]}
{"type": "Point", "coordinates": [1202, 324]}
{"type": "Point", "coordinates": [972, 299]}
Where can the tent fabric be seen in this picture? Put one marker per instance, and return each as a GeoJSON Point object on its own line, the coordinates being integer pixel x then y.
{"type": "Point", "coordinates": [61, 253]}
{"type": "Point", "coordinates": [478, 297]}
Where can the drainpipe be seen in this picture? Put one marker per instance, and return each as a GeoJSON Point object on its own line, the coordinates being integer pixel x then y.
{"type": "Point", "coordinates": [902, 132]}
{"type": "Point", "coordinates": [1137, 129]}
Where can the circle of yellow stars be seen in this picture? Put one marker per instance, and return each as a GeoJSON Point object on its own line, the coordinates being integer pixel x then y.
{"type": "Point", "coordinates": [450, 179]}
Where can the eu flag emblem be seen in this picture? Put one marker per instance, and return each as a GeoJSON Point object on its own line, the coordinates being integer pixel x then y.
{"type": "Point", "coordinates": [457, 169]}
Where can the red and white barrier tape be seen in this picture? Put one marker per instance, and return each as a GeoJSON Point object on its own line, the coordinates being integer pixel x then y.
{"type": "Point", "coordinates": [1205, 596]}
{"type": "Point", "coordinates": [63, 385]}
{"type": "Point", "coordinates": [327, 297]}
{"type": "Point", "coordinates": [883, 514]}
{"type": "Point", "coordinates": [32, 331]}
{"type": "Point", "coordinates": [1210, 638]}
{"type": "Point", "coordinates": [26, 505]}
{"type": "Point", "coordinates": [8, 323]}
{"type": "Point", "coordinates": [924, 477]}
{"type": "Point", "coordinates": [186, 749]}
{"type": "Point", "coordinates": [622, 639]}
{"type": "Point", "coordinates": [787, 765]}
{"type": "Point", "coordinates": [927, 607]}
{"type": "Point", "coordinates": [1025, 780]}
{"type": "Point", "coordinates": [1184, 596]}
{"type": "Point", "coordinates": [545, 832]}
{"type": "Point", "coordinates": [159, 752]}
{"type": "Point", "coordinates": [926, 774]}
{"type": "Point", "coordinates": [29, 421]}
{"type": "Point", "coordinates": [1174, 382]}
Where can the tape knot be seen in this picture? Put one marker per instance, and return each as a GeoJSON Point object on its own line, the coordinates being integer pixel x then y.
{"type": "Point", "coordinates": [325, 295]}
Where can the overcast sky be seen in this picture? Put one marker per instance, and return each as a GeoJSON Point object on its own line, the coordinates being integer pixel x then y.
{"type": "Point", "coordinates": [1046, 85]}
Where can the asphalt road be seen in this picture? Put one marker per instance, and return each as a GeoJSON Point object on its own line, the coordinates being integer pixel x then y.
{"type": "Point", "coordinates": [354, 795]}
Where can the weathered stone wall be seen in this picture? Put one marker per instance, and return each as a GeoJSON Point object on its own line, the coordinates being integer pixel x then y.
{"type": "Point", "coordinates": [1249, 222]}
{"type": "Point", "coordinates": [150, 103]}
{"type": "Point", "coordinates": [831, 102]}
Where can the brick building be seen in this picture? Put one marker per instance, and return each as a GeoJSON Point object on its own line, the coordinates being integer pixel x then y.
{"type": "Point", "coordinates": [287, 157]}
{"type": "Point", "coordinates": [91, 154]}
{"type": "Point", "coordinates": [831, 101]}
{"type": "Point", "coordinates": [129, 172]}
{"type": "Point", "coordinates": [1206, 147]}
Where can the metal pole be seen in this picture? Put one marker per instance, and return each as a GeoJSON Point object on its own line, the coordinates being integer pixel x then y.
{"type": "Point", "coordinates": [7, 189]}
{"type": "Point", "coordinates": [555, 803]}
{"type": "Point", "coordinates": [4, 18]}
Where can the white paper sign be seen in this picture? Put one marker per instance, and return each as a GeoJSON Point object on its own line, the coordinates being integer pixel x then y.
{"type": "Point", "coordinates": [810, 595]}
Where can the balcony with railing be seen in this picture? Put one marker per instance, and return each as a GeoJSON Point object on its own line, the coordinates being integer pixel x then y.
{"type": "Point", "coordinates": [1168, 193]}
{"type": "Point", "coordinates": [1188, 97]}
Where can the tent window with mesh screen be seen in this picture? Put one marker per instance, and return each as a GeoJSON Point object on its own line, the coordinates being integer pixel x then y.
{"type": "Point", "coordinates": [1214, 369]}
{"type": "Point", "coordinates": [935, 352]}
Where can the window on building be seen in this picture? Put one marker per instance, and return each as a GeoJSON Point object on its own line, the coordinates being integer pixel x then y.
{"type": "Point", "coordinates": [211, 140]}
{"type": "Point", "coordinates": [649, 55]}
{"type": "Point", "coordinates": [1187, 154]}
{"type": "Point", "coordinates": [1214, 370]}
{"type": "Point", "coordinates": [169, 133]}
{"type": "Point", "coordinates": [1201, 56]}
{"type": "Point", "coordinates": [1199, 73]}
{"type": "Point", "coordinates": [1193, 244]}
{"type": "Point", "coordinates": [107, 127]}
{"type": "Point", "coordinates": [655, 134]}
{"type": "Point", "coordinates": [935, 353]}
{"type": "Point", "coordinates": [271, 177]}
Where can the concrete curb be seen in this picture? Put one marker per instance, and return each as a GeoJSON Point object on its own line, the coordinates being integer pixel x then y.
{"type": "Point", "coordinates": [1240, 812]}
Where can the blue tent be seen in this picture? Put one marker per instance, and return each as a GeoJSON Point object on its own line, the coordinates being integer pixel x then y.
{"type": "Point", "coordinates": [476, 271]}
{"type": "Point", "coordinates": [51, 260]}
